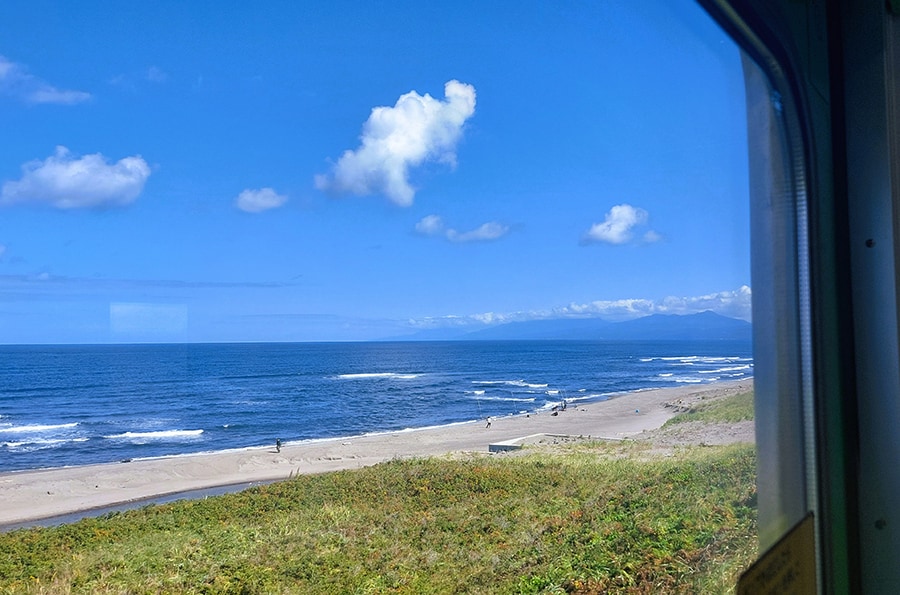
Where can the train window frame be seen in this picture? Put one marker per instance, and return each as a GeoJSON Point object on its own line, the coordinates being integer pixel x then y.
{"type": "Point", "coordinates": [833, 66]}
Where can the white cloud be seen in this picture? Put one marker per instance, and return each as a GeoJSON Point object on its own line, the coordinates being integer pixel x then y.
{"type": "Point", "coordinates": [735, 304]}
{"type": "Point", "coordinates": [417, 129]}
{"type": "Point", "coordinates": [484, 233]}
{"type": "Point", "coordinates": [16, 81]}
{"type": "Point", "coordinates": [256, 201]}
{"type": "Point", "coordinates": [609, 309]}
{"type": "Point", "coordinates": [651, 236]}
{"type": "Point", "coordinates": [619, 225]}
{"type": "Point", "coordinates": [433, 225]}
{"type": "Point", "coordinates": [67, 182]}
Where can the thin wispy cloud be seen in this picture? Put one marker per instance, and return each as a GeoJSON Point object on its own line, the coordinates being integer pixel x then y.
{"type": "Point", "coordinates": [154, 74]}
{"type": "Point", "coordinates": [620, 225]}
{"type": "Point", "coordinates": [433, 226]}
{"type": "Point", "coordinates": [65, 181]}
{"type": "Point", "coordinates": [137, 79]}
{"type": "Point", "coordinates": [16, 81]}
{"type": "Point", "coordinates": [257, 201]}
{"type": "Point", "coordinates": [44, 284]}
{"type": "Point", "coordinates": [416, 130]}
{"type": "Point", "coordinates": [735, 304]}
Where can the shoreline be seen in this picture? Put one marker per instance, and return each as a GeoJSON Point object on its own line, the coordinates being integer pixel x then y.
{"type": "Point", "coordinates": [45, 494]}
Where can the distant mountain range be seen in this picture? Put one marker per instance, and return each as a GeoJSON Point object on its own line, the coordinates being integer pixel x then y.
{"type": "Point", "coordinates": [705, 326]}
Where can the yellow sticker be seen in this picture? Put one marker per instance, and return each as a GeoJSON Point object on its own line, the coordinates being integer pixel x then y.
{"type": "Point", "coordinates": [788, 568]}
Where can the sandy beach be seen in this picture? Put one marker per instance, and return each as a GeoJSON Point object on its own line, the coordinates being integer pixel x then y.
{"type": "Point", "coordinates": [32, 495]}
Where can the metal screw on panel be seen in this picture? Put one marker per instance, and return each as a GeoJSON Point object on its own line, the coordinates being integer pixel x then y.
{"type": "Point", "coordinates": [870, 242]}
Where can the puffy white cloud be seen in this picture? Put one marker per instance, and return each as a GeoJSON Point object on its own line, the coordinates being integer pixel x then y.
{"type": "Point", "coordinates": [15, 80]}
{"type": "Point", "coordinates": [417, 129]}
{"type": "Point", "coordinates": [256, 201]}
{"type": "Point", "coordinates": [67, 182]}
{"type": "Point", "coordinates": [619, 225]}
{"type": "Point", "coordinates": [433, 225]}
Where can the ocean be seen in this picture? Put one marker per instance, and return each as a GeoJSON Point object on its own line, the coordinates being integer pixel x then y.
{"type": "Point", "coordinates": [68, 405]}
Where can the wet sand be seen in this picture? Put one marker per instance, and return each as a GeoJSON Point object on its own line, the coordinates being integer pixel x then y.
{"type": "Point", "coordinates": [32, 495]}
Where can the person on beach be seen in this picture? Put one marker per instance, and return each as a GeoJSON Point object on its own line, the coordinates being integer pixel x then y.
{"type": "Point", "coordinates": [488, 423]}
{"type": "Point", "coordinates": [278, 445]}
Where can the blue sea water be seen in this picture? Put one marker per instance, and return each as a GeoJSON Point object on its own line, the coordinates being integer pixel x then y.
{"type": "Point", "coordinates": [74, 405]}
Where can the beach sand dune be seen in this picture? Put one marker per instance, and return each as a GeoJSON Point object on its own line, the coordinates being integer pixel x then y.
{"type": "Point", "coordinates": [32, 495]}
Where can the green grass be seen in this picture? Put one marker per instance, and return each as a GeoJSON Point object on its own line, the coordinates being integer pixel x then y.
{"type": "Point", "coordinates": [580, 522]}
{"type": "Point", "coordinates": [728, 410]}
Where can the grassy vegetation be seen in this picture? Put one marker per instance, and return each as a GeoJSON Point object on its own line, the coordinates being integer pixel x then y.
{"type": "Point", "coordinates": [730, 410]}
{"type": "Point", "coordinates": [581, 522]}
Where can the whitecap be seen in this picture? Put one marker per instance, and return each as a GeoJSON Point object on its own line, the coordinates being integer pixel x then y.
{"type": "Point", "coordinates": [518, 382]}
{"type": "Point", "coordinates": [369, 375]}
{"type": "Point", "coordinates": [511, 399]}
{"type": "Point", "coordinates": [727, 369]}
{"type": "Point", "coordinates": [160, 435]}
{"type": "Point", "coordinates": [32, 428]}
{"type": "Point", "coordinates": [41, 443]}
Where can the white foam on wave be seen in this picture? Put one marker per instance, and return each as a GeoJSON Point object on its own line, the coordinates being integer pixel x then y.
{"type": "Point", "coordinates": [40, 443]}
{"type": "Point", "coordinates": [725, 360]}
{"type": "Point", "coordinates": [368, 375]}
{"type": "Point", "coordinates": [511, 399]}
{"type": "Point", "coordinates": [34, 428]}
{"type": "Point", "coordinates": [591, 397]}
{"type": "Point", "coordinates": [726, 369]}
{"type": "Point", "coordinates": [160, 435]}
{"type": "Point", "coordinates": [519, 383]}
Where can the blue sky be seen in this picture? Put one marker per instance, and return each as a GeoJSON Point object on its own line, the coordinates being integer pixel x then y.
{"type": "Point", "coordinates": [287, 171]}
